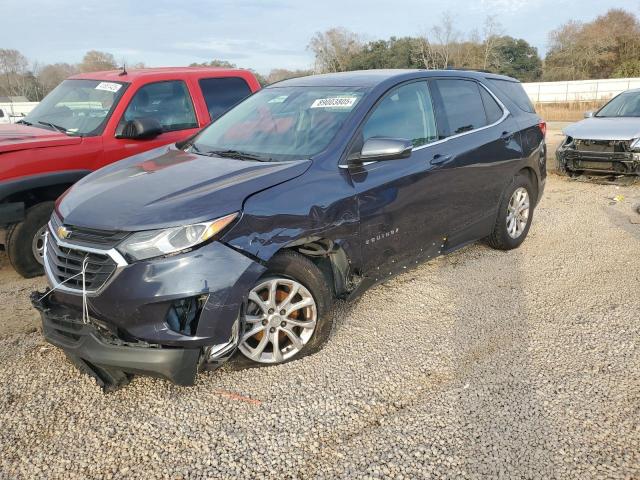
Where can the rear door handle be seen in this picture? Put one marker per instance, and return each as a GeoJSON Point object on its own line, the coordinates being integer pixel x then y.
{"type": "Point", "coordinates": [439, 158]}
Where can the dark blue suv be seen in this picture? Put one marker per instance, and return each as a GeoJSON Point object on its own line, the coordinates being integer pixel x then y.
{"type": "Point", "coordinates": [236, 241]}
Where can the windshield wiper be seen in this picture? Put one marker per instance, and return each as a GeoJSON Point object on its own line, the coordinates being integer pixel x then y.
{"type": "Point", "coordinates": [236, 154]}
{"type": "Point", "coordinates": [24, 122]}
{"type": "Point", "coordinates": [54, 126]}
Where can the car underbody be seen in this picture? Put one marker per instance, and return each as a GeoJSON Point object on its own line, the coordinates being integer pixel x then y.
{"type": "Point", "coordinates": [611, 157]}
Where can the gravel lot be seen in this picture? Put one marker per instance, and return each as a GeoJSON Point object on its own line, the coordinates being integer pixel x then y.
{"type": "Point", "coordinates": [477, 365]}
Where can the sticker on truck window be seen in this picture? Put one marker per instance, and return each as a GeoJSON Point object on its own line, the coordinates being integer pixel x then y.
{"type": "Point", "coordinates": [334, 102]}
{"type": "Point", "coordinates": [278, 99]}
{"type": "Point", "coordinates": [108, 86]}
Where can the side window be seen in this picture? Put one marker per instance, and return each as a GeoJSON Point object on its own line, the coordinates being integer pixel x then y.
{"type": "Point", "coordinates": [462, 109]}
{"type": "Point", "coordinates": [405, 112]}
{"type": "Point", "coordinates": [1, 113]}
{"type": "Point", "coordinates": [167, 102]}
{"type": "Point", "coordinates": [221, 94]}
{"type": "Point", "coordinates": [491, 107]}
{"type": "Point", "coordinates": [514, 91]}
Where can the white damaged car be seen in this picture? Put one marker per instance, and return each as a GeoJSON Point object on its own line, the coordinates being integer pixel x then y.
{"type": "Point", "coordinates": [606, 141]}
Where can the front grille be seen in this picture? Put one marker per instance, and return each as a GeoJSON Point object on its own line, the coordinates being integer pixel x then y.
{"type": "Point", "coordinates": [66, 265]}
{"type": "Point", "coordinates": [603, 146]}
{"type": "Point", "coordinates": [68, 327]}
{"type": "Point", "coordinates": [90, 237]}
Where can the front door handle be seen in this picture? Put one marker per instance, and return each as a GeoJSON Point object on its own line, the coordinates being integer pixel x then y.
{"type": "Point", "coordinates": [439, 158]}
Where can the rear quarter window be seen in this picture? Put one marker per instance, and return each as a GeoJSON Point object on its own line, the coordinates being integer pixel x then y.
{"type": "Point", "coordinates": [514, 92]}
{"type": "Point", "coordinates": [491, 107]}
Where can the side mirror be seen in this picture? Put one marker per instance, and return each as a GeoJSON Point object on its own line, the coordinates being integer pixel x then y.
{"type": "Point", "coordinates": [380, 148]}
{"type": "Point", "coordinates": [589, 114]}
{"type": "Point", "coordinates": [139, 129]}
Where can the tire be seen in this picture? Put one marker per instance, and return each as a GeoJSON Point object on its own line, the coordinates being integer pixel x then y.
{"type": "Point", "coordinates": [286, 266]}
{"type": "Point", "coordinates": [20, 238]}
{"type": "Point", "coordinates": [501, 238]}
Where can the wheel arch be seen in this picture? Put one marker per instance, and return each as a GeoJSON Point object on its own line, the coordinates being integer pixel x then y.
{"type": "Point", "coordinates": [330, 257]}
{"type": "Point", "coordinates": [35, 189]}
{"type": "Point", "coordinates": [533, 177]}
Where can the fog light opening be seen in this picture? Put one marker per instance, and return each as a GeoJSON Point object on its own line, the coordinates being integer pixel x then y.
{"type": "Point", "coordinates": [184, 314]}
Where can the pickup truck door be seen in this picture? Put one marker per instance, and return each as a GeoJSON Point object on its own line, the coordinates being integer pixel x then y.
{"type": "Point", "coordinates": [170, 103]}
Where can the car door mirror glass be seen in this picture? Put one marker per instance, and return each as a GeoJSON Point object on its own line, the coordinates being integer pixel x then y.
{"type": "Point", "coordinates": [380, 148]}
{"type": "Point", "coordinates": [139, 129]}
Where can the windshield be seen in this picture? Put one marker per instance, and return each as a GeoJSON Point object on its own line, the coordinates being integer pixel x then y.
{"type": "Point", "coordinates": [624, 105]}
{"type": "Point", "coordinates": [77, 107]}
{"type": "Point", "coordinates": [281, 123]}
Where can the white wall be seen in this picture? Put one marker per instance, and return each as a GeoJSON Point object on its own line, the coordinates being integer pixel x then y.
{"type": "Point", "coordinates": [580, 90]}
{"type": "Point", "coordinates": [18, 108]}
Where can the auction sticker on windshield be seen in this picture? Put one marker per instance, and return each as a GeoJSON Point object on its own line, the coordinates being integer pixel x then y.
{"type": "Point", "coordinates": [108, 86]}
{"type": "Point", "coordinates": [334, 102]}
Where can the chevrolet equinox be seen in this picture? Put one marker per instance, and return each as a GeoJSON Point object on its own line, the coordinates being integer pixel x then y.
{"type": "Point", "coordinates": [236, 241]}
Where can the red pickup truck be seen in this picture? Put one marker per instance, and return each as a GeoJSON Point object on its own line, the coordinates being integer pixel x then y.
{"type": "Point", "coordinates": [91, 120]}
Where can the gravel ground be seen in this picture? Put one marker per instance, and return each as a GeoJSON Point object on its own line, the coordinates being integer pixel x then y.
{"type": "Point", "coordinates": [482, 364]}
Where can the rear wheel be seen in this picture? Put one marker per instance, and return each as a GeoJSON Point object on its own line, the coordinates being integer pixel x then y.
{"type": "Point", "coordinates": [514, 215]}
{"type": "Point", "coordinates": [25, 241]}
{"type": "Point", "coordinates": [287, 315]}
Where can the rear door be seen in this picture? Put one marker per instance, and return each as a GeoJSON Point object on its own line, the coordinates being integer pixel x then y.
{"type": "Point", "coordinates": [222, 93]}
{"type": "Point", "coordinates": [481, 142]}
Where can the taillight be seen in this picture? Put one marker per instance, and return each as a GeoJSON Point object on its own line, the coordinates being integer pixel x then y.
{"type": "Point", "coordinates": [543, 127]}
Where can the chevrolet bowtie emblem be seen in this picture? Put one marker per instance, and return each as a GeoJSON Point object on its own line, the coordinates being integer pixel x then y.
{"type": "Point", "coordinates": [63, 232]}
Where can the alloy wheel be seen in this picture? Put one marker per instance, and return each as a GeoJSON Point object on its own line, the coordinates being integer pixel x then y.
{"type": "Point", "coordinates": [280, 319]}
{"type": "Point", "coordinates": [518, 212]}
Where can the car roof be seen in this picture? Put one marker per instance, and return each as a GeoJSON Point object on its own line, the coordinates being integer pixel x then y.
{"type": "Point", "coordinates": [160, 73]}
{"type": "Point", "coordinates": [372, 78]}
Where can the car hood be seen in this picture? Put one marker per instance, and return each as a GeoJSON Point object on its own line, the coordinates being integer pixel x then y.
{"type": "Point", "coordinates": [168, 187]}
{"type": "Point", "coordinates": [21, 137]}
{"type": "Point", "coordinates": [605, 128]}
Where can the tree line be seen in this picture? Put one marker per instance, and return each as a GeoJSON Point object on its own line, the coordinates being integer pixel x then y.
{"type": "Point", "coordinates": [608, 46]}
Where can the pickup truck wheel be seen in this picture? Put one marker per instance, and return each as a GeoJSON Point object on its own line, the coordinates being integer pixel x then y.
{"type": "Point", "coordinates": [514, 215]}
{"type": "Point", "coordinates": [288, 312]}
{"type": "Point", "coordinates": [25, 241]}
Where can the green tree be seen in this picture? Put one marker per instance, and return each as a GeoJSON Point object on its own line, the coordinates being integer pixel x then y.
{"type": "Point", "coordinates": [392, 53]}
{"type": "Point", "coordinates": [215, 63]}
{"type": "Point", "coordinates": [630, 68]}
{"type": "Point", "coordinates": [516, 58]}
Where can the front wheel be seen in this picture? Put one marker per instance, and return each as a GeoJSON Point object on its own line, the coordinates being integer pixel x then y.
{"type": "Point", "coordinates": [25, 241]}
{"type": "Point", "coordinates": [514, 215]}
{"type": "Point", "coordinates": [287, 315]}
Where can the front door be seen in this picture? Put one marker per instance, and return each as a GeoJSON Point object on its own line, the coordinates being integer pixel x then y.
{"type": "Point", "coordinates": [170, 104]}
{"type": "Point", "coordinates": [399, 204]}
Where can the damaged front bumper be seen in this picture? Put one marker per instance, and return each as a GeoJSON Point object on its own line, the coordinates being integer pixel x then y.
{"type": "Point", "coordinates": [109, 359]}
{"type": "Point", "coordinates": [605, 157]}
{"type": "Point", "coordinates": [163, 317]}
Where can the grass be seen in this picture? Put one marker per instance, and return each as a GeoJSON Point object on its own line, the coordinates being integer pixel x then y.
{"type": "Point", "coordinates": [566, 111]}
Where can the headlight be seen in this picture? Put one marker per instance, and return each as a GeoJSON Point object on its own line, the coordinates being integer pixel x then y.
{"type": "Point", "coordinates": [155, 243]}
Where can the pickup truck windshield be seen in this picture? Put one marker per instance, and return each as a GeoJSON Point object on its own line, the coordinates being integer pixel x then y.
{"type": "Point", "coordinates": [624, 105]}
{"type": "Point", "coordinates": [77, 107]}
{"type": "Point", "coordinates": [280, 123]}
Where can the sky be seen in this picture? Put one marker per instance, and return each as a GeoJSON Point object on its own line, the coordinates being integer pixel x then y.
{"type": "Point", "coordinates": [257, 34]}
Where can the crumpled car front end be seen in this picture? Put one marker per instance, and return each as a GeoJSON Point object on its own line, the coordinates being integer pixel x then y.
{"type": "Point", "coordinates": [612, 157]}
{"type": "Point", "coordinates": [165, 317]}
